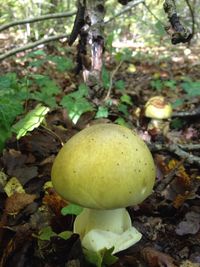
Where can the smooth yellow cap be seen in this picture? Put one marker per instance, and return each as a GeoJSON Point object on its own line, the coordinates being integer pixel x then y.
{"type": "Point", "coordinates": [104, 166]}
{"type": "Point", "coordinates": [158, 108]}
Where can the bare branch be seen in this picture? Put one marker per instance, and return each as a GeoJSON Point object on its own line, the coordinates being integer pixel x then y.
{"type": "Point", "coordinates": [32, 45]}
{"type": "Point", "coordinates": [36, 19]}
{"type": "Point", "coordinates": [177, 150]}
{"type": "Point", "coordinates": [179, 34]}
{"type": "Point", "coordinates": [188, 113]}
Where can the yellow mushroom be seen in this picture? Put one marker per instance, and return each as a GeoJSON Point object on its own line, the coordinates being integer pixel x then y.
{"type": "Point", "coordinates": [104, 168]}
{"type": "Point", "coordinates": [158, 109]}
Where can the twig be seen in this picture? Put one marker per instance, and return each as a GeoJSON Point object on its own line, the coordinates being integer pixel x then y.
{"type": "Point", "coordinates": [32, 45]}
{"type": "Point", "coordinates": [53, 134]}
{"type": "Point", "coordinates": [129, 6]}
{"type": "Point", "coordinates": [190, 146]}
{"type": "Point", "coordinates": [177, 150]}
{"type": "Point", "coordinates": [192, 113]}
{"type": "Point", "coordinates": [169, 177]}
{"type": "Point", "coordinates": [111, 80]}
{"type": "Point", "coordinates": [78, 23]}
{"type": "Point", "coordinates": [36, 19]}
{"type": "Point", "coordinates": [179, 34]}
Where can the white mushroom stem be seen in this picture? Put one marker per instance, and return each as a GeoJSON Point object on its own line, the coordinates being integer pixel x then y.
{"type": "Point", "coordinates": [100, 229]}
{"type": "Point", "coordinates": [159, 124]}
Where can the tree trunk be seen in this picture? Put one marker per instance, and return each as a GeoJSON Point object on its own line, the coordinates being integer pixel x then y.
{"type": "Point", "coordinates": [93, 41]}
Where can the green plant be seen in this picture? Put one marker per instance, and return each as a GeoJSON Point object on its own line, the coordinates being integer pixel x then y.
{"type": "Point", "coordinates": [46, 91]}
{"type": "Point", "coordinates": [13, 93]}
{"type": "Point", "coordinates": [76, 103]}
{"type": "Point", "coordinates": [159, 84]}
{"type": "Point", "coordinates": [30, 121]}
{"type": "Point", "coordinates": [71, 209]}
{"type": "Point", "coordinates": [191, 88]}
{"type": "Point", "coordinates": [101, 258]}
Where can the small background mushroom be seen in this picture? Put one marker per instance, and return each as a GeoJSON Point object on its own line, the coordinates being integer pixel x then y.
{"type": "Point", "coordinates": [160, 111]}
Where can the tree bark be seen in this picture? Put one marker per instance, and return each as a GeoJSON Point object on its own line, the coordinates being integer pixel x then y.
{"type": "Point", "coordinates": [93, 40]}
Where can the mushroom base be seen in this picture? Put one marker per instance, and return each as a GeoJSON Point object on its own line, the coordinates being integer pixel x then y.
{"type": "Point", "coordinates": [100, 229]}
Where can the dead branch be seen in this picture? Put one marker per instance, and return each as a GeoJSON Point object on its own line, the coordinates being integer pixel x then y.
{"type": "Point", "coordinates": [78, 23]}
{"type": "Point", "coordinates": [190, 146]}
{"type": "Point", "coordinates": [169, 177]}
{"type": "Point", "coordinates": [179, 34]}
{"type": "Point", "coordinates": [190, 113]}
{"type": "Point", "coordinates": [36, 19]}
{"type": "Point", "coordinates": [32, 45]}
{"type": "Point", "coordinates": [177, 150]}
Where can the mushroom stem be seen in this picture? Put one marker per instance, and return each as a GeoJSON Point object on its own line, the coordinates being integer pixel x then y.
{"type": "Point", "coordinates": [100, 229]}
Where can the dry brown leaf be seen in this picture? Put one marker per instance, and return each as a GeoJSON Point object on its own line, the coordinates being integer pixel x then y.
{"type": "Point", "coordinates": [17, 202]}
{"type": "Point", "coordinates": [155, 258]}
{"type": "Point", "coordinates": [188, 263]}
{"type": "Point", "coordinates": [190, 224]}
{"type": "Point", "coordinates": [54, 201]}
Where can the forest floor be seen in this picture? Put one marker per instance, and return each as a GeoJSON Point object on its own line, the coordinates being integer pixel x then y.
{"type": "Point", "coordinates": [169, 219]}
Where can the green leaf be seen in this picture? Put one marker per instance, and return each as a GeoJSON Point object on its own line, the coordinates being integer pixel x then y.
{"type": "Point", "coordinates": [100, 258]}
{"type": "Point", "coordinates": [93, 257]}
{"type": "Point", "coordinates": [170, 84]}
{"type": "Point", "coordinates": [76, 104]}
{"type": "Point", "coordinates": [48, 89]}
{"type": "Point", "coordinates": [46, 233]}
{"type": "Point", "coordinates": [102, 112]}
{"type": "Point", "coordinates": [13, 92]}
{"type": "Point", "coordinates": [157, 84]}
{"type": "Point", "coordinates": [120, 85]}
{"type": "Point", "coordinates": [124, 55]}
{"type": "Point", "coordinates": [178, 102]}
{"type": "Point", "coordinates": [121, 122]}
{"type": "Point", "coordinates": [123, 108]}
{"type": "Point", "coordinates": [71, 209]}
{"type": "Point", "coordinates": [105, 78]}
{"type": "Point", "coordinates": [32, 120]}
{"type": "Point", "coordinates": [109, 42]}
{"type": "Point", "coordinates": [62, 63]}
{"type": "Point", "coordinates": [36, 53]}
{"type": "Point", "coordinates": [126, 99]}
{"type": "Point", "coordinates": [37, 63]}
{"type": "Point", "coordinates": [177, 123]}
{"type": "Point", "coordinates": [8, 81]}
{"type": "Point", "coordinates": [160, 29]}
{"type": "Point", "coordinates": [65, 234]}
{"type": "Point", "coordinates": [191, 88]}
{"type": "Point", "coordinates": [83, 90]}
{"type": "Point", "coordinates": [108, 258]}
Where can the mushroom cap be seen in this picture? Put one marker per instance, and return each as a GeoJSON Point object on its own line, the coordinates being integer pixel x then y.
{"type": "Point", "coordinates": [157, 108]}
{"type": "Point", "coordinates": [104, 166]}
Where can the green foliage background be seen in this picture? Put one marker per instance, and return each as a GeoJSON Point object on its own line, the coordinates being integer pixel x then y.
{"type": "Point", "coordinates": [143, 26]}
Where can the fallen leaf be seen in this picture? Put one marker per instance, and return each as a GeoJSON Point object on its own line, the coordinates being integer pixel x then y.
{"type": "Point", "coordinates": [13, 186]}
{"type": "Point", "coordinates": [188, 263]}
{"type": "Point", "coordinates": [190, 225]}
{"type": "Point", "coordinates": [155, 258]}
{"type": "Point", "coordinates": [54, 201]}
{"type": "Point", "coordinates": [17, 202]}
